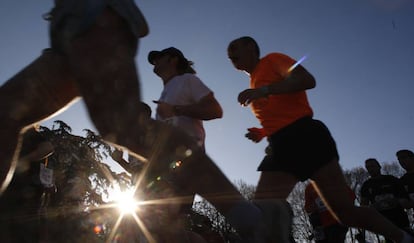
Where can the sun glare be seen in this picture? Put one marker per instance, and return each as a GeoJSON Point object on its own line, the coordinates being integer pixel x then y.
{"type": "Point", "coordinates": [125, 201]}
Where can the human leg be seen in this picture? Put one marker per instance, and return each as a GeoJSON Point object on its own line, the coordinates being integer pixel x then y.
{"type": "Point", "coordinates": [332, 187]}
{"type": "Point", "coordinates": [103, 60]}
{"type": "Point", "coordinates": [271, 193]}
{"type": "Point", "coordinates": [199, 174]}
{"type": "Point", "coordinates": [38, 91]}
{"type": "Point", "coordinates": [275, 184]}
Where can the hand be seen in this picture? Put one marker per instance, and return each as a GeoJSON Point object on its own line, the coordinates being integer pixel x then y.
{"type": "Point", "coordinates": [255, 134]}
{"type": "Point", "coordinates": [247, 96]}
{"type": "Point", "coordinates": [164, 109]}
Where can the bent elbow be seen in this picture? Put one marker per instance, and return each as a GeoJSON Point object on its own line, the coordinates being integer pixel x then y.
{"type": "Point", "coordinates": [214, 115]}
{"type": "Point", "coordinates": [220, 113]}
{"type": "Point", "coordinates": [311, 83]}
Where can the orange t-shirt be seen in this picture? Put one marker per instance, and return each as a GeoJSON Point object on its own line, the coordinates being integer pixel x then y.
{"type": "Point", "coordinates": [277, 111]}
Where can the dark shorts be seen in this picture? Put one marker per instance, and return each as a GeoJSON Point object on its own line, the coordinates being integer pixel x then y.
{"type": "Point", "coordinates": [300, 149]}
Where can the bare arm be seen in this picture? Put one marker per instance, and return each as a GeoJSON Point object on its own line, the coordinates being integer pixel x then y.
{"type": "Point", "coordinates": [207, 108]}
{"type": "Point", "coordinates": [297, 80]}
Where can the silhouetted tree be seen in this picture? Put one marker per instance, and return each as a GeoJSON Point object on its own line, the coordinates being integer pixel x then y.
{"type": "Point", "coordinates": [82, 181]}
{"type": "Point", "coordinates": [301, 227]}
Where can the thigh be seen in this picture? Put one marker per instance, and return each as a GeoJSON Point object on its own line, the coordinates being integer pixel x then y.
{"type": "Point", "coordinates": [103, 60]}
{"type": "Point", "coordinates": [38, 91]}
{"type": "Point", "coordinates": [332, 187]}
{"type": "Point", "coordinates": [201, 175]}
{"type": "Point", "coordinates": [275, 185]}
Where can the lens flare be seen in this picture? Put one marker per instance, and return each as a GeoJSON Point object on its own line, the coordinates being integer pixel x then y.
{"type": "Point", "coordinates": [98, 229]}
{"type": "Point", "coordinates": [176, 164]}
{"type": "Point", "coordinates": [297, 63]}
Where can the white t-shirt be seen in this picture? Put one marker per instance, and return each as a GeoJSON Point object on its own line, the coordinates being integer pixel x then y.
{"type": "Point", "coordinates": [185, 89]}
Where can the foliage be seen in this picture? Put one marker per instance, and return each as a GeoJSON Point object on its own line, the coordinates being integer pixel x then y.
{"type": "Point", "coordinates": [214, 220]}
{"type": "Point", "coordinates": [80, 174]}
{"type": "Point", "coordinates": [301, 227]}
{"type": "Point", "coordinates": [60, 211]}
{"type": "Point", "coordinates": [82, 181]}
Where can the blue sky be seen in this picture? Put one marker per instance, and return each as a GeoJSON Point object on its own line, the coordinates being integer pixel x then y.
{"type": "Point", "coordinates": [360, 52]}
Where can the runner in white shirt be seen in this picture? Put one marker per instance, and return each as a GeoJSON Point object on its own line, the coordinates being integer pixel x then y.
{"type": "Point", "coordinates": [183, 94]}
{"type": "Point", "coordinates": [184, 102]}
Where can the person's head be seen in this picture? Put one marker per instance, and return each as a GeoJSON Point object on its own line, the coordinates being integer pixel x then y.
{"type": "Point", "coordinates": [244, 53]}
{"type": "Point", "coordinates": [169, 63]}
{"type": "Point", "coordinates": [373, 167]}
{"type": "Point", "coordinates": [406, 159]}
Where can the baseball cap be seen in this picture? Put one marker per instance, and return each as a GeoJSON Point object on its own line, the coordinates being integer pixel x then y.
{"type": "Point", "coordinates": [171, 51]}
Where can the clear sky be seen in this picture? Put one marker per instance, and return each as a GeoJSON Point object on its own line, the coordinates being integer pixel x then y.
{"type": "Point", "coordinates": [360, 52]}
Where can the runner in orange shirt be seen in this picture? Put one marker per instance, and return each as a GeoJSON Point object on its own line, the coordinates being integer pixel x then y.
{"type": "Point", "coordinates": [300, 147]}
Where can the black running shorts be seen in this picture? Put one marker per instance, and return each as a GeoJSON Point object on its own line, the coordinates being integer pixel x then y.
{"type": "Point", "coordinates": [300, 149]}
